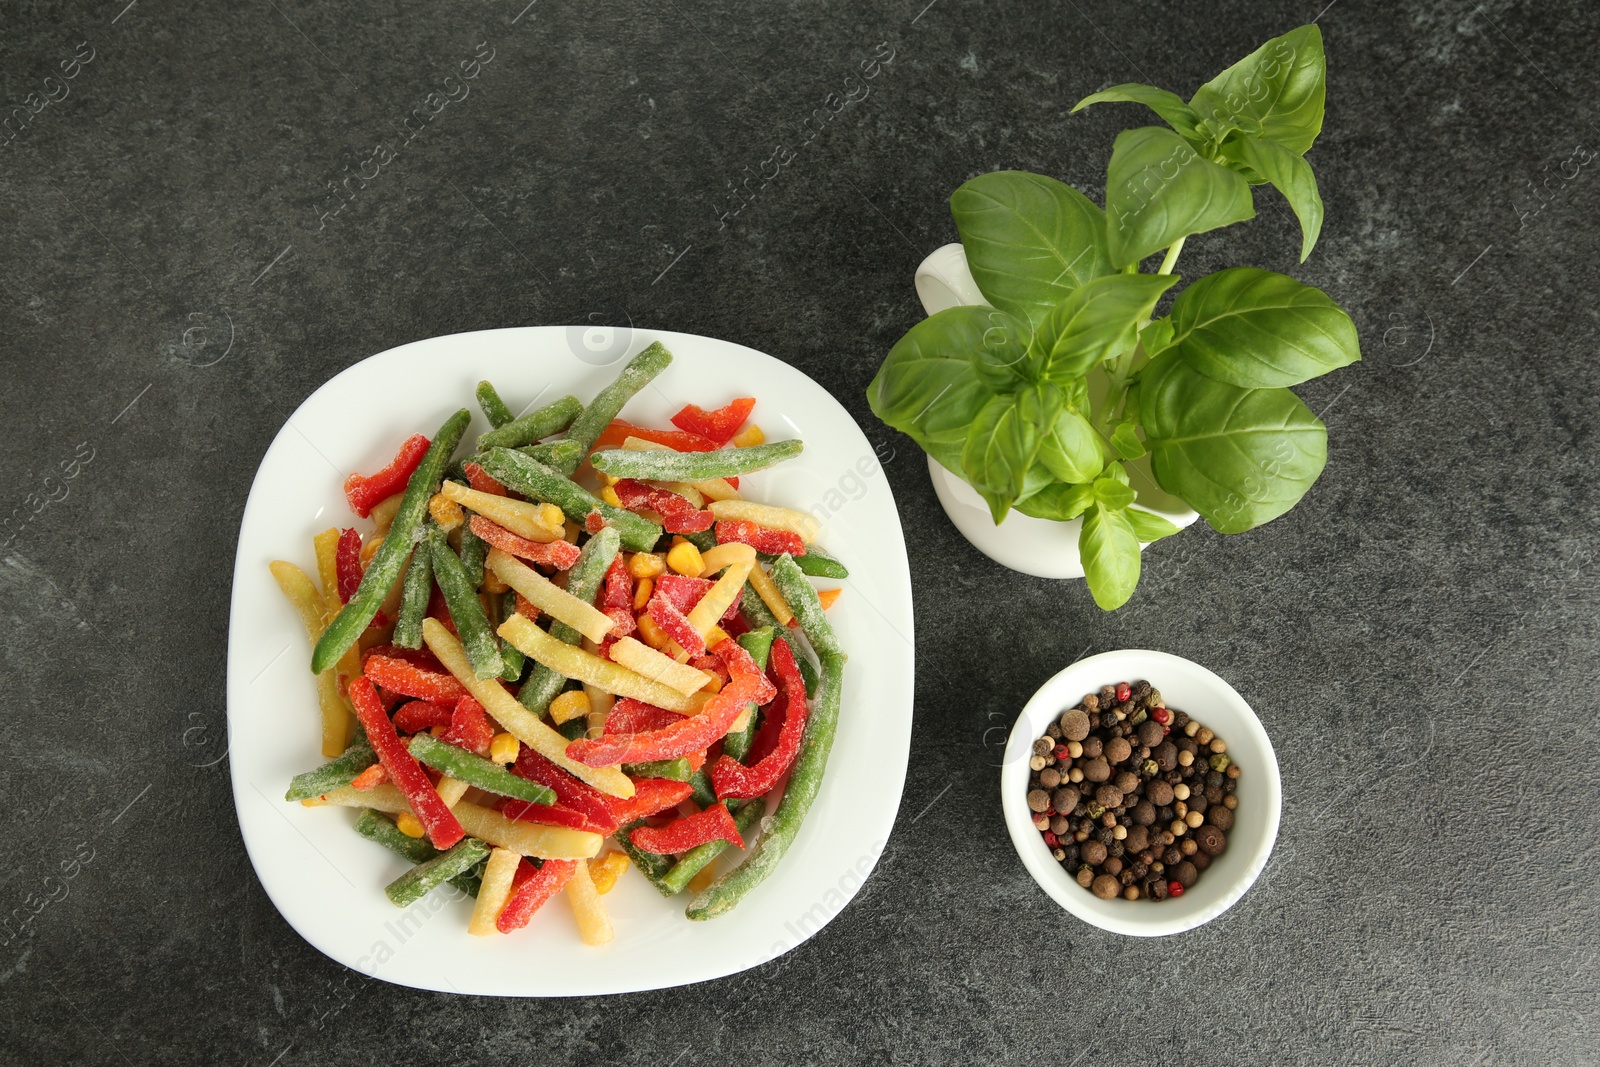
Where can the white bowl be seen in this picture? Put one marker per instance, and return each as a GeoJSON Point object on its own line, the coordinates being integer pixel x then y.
{"type": "Point", "coordinates": [1186, 687]}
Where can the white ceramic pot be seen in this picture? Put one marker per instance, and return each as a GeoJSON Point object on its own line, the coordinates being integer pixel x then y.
{"type": "Point", "coordinates": [1033, 546]}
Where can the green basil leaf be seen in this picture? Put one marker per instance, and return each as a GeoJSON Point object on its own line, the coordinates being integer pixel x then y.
{"type": "Point", "coordinates": [1003, 443]}
{"type": "Point", "coordinates": [1116, 472]}
{"type": "Point", "coordinates": [1111, 494]}
{"type": "Point", "coordinates": [1125, 439]}
{"type": "Point", "coordinates": [927, 386]}
{"type": "Point", "coordinates": [1159, 189]}
{"type": "Point", "coordinates": [1001, 355]}
{"type": "Point", "coordinates": [1289, 173]}
{"type": "Point", "coordinates": [1156, 336]}
{"type": "Point", "coordinates": [1148, 527]}
{"type": "Point", "coordinates": [1257, 329]}
{"type": "Point", "coordinates": [1110, 553]}
{"type": "Point", "coordinates": [1030, 240]}
{"type": "Point", "coordinates": [1098, 320]}
{"type": "Point", "coordinates": [1276, 92]}
{"type": "Point", "coordinates": [1036, 480]}
{"type": "Point", "coordinates": [1058, 502]}
{"type": "Point", "coordinates": [1170, 106]}
{"type": "Point", "coordinates": [1240, 457]}
{"type": "Point", "coordinates": [1071, 451]}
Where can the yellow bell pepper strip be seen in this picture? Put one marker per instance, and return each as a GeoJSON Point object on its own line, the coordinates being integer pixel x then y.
{"type": "Point", "coordinates": [551, 878]}
{"type": "Point", "coordinates": [638, 373]}
{"type": "Point", "coordinates": [550, 598]}
{"type": "Point", "coordinates": [594, 925]}
{"type": "Point", "coordinates": [583, 581]}
{"type": "Point", "coordinates": [513, 717]}
{"type": "Point", "coordinates": [365, 491]}
{"type": "Point", "coordinates": [443, 828]}
{"type": "Point", "coordinates": [526, 475]}
{"type": "Point", "coordinates": [733, 779]}
{"type": "Point", "coordinates": [805, 779]}
{"type": "Point", "coordinates": [527, 838]}
{"type": "Point", "coordinates": [664, 466]}
{"type": "Point", "coordinates": [494, 409]}
{"type": "Point", "coordinates": [384, 570]}
{"type": "Point", "coordinates": [587, 667]}
{"type": "Point", "coordinates": [684, 833]}
{"type": "Point", "coordinates": [337, 722]}
{"type": "Point", "coordinates": [466, 610]}
{"type": "Point", "coordinates": [424, 878]}
{"type": "Point", "coordinates": [333, 775]}
{"type": "Point", "coordinates": [769, 516]}
{"type": "Point", "coordinates": [801, 597]}
{"type": "Point", "coordinates": [544, 422]}
{"type": "Point", "coordinates": [494, 890]}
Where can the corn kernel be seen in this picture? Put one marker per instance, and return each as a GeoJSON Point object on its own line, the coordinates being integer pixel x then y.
{"type": "Point", "coordinates": [447, 514]}
{"type": "Point", "coordinates": [715, 636]}
{"type": "Point", "coordinates": [609, 495]}
{"type": "Point", "coordinates": [701, 880]}
{"type": "Point", "coordinates": [686, 560]}
{"type": "Point", "coordinates": [409, 825]}
{"type": "Point", "coordinates": [552, 516]}
{"type": "Point", "coordinates": [605, 870]}
{"type": "Point", "coordinates": [492, 583]}
{"type": "Point", "coordinates": [653, 635]}
{"type": "Point", "coordinates": [569, 705]}
{"type": "Point", "coordinates": [504, 749]}
{"type": "Point", "coordinates": [750, 435]}
{"type": "Point", "coordinates": [641, 593]}
{"type": "Point", "coordinates": [646, 565]}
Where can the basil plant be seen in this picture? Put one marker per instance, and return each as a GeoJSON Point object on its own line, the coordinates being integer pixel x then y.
{"type": "Point", "coordinates": [1041, 398]}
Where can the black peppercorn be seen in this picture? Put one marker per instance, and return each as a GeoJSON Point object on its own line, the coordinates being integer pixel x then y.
{"type": "Point", "coordinates": [1211, 839]}
{"type": "Point", "coordinates": [1141, 689]}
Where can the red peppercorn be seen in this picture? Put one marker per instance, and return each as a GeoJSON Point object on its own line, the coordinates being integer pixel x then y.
{"type": "Point", "coordinates": [1051, 839]}
{"type": "Point", "coordinates": [1165, 730]}
{"type": "Point", "coordinates": [1124, 691]}
{"type": "Point", "coordinates": [1061, 752]}
{"type": "Point", "coordinates": [1174, 889]}
{"type": "Point", "coordinates": [1161, 715]}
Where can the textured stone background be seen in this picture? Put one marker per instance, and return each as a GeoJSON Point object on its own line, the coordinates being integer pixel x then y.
{"type": "Point", "coordinates": [1419, 636]}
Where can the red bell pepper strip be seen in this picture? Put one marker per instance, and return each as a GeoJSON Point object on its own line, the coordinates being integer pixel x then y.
{"type": "Point", "coordinates": [549, 815]}
{"type": "Point", "coordinates": [370, 778]}
{"type": "Point", "coordinates": [531, 895]}
{"type": "Point", "coordinates": [616, 598]}
{"type": "Point", "coordinates": [417, 657]}
{"type": "Point", "coordinates": [630, 716]}
{"type": "Point", "coordinates": [420, 715]}
{"type": "Point", "coordinates": [683, 591]}
{"type": "Point", "coordinates": [347, 563]}
{"type": "Point", "coordinates": [398, 676]}
{"type": "Point", "coordinates": [718, 425]}
{"type": "Point", "coordinates": [559, 554]}
{"type": "Point", "coordinates": [651, 796]}
{"type": "Point", "coordinates": [760, 538]}
{"type": "Point", "coordinates": [594, 522]}
{"type": "Point", "coordinates": [619, 430]}
{"type": "Point", "coordinates": [680, 835]}
{"type": "Point", "coordinates": [479, 479]}
{"type": "Point", "coordinates": [571, 793]}
{"type": "Point", "coordinates": [712, 664]}
{"type": "Point", "coordinates": [526, 609]}
{"type": "Point", "coordinates": [691, 734]}
{"type": "Point", "coordinates": [676, 625]}
{"type": "Point", "coordinates": [403, 768]}
{"type": "Point", "coordinates": [470, 728]}
{"type": "Point", "coordinates": [729, 777]}
{"type": "Point", "coordinates": [366, 491]}
{"type": "Point", "coordinates": [677, 514]}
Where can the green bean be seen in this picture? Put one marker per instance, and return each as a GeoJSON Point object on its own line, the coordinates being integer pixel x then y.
{"type": "Point", "coordinates": [494, 409]}
{"type": "Point", "coordinates": [692, 466]}
{"type": "Point", "coordinates": [518, 471]}
{"type": "Point", "coordinates": [374, 827]}
{"type": "Point", "coordinates": [802, 600]}
{"type": "Point", "coordinates": [335, 774]}
{"type": "Point", "coordinates": [474, 550]}
{"type": "Point", "coordinates": [805, 779]}
{"type": "Point", "coordinates": [755, 609]}
{"type": "Point", "coordinates": [414, 597]}
{"type": "Point", "coordinates": [759, 644]}
{"type": "Point", "coordinates": [466, 610]}
{"type": "Point", "coordinates": [550, 419]}
{"type": "Point", "coordinates": [583, 581]}
{"type": "Point", "coordinates": [808, 670]}
{"type": "Point", "coordinates": [652, 866]}
{"type": "Point", "coordinates": [573, 728]}
{"type": "Point", "coordinates": [816, 563]}
{"type": "Point", "coordinates": [698, 858]}
{"type": "Point", "coordinates": [562, 455]}
{"type": "Point", "coordinates": [704, 540]}
{"type": "Point", "coordinates": [477, 771]}
{"type": "Point", "coordinates": [588, 427]}
{"type": "Point", "coordinates": [676, 769]}
{"type": "Point", "coordinates": [515, 661]}
{"type": "Point", "coordinates": [425, 877]}
{"type": "Point", "coordinates": [384, 570]}
{"type": "Point", "coordinates": [705, 794]}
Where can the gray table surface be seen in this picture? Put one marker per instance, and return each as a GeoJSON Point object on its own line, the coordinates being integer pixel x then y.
{"type": "Point", "coordinates": [1419, 636]}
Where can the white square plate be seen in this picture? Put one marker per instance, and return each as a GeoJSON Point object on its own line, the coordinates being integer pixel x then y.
{"type": "Point", "coordinates": [328, 882]}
